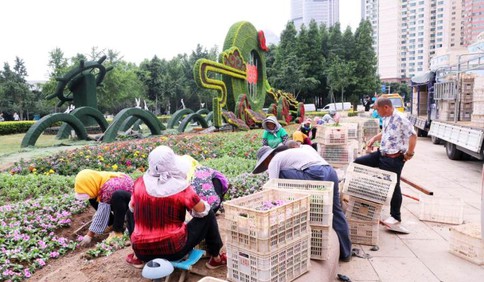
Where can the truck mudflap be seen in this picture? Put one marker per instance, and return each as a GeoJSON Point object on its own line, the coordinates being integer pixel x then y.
{"type": "Point", "coordinates": [468, 138]}
{"type": "Point", "coordinates": [418, 122]}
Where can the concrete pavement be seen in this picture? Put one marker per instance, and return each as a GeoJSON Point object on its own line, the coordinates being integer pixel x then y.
{"type": "Point", "coordinates": [423, 254]}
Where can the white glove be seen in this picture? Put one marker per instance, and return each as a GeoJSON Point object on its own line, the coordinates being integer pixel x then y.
{"type": "Point", "coordinates": [85, 241]}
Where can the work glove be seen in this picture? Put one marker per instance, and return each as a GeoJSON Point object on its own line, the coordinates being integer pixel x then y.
{"type": "Point", "coordinates": [86, 240]}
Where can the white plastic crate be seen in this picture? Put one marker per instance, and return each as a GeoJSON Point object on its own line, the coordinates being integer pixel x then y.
{"type": "Point", "coordinates": [369, 128]}
{"type": "Point", "coordinates": [262, 231]}
{"type": "Point", "coordinates": [466, 242]}
{"type": "Point", "coordinates": [211, 279]}
{"type": "Point", "coordinates": [331, 135]}
{"type": "Point", "coordinates": [285, 264]}
{"type": "Point", "coordinates": [362, 209]}
{"type": "Point", "coordinates": [444, 210]}
{"type": "Point", "coordinates": [337, 154]}
{"type": "Point", "coordinates": [321, 199]}
{"type": "Point", "coordinates": [369, 183]}
{"type": "Point", "coordinates": [320, 242]}
{"type": "Point", "coordinates": [364, 232]}
{"type": "Point", "coordinates": [352, 130]}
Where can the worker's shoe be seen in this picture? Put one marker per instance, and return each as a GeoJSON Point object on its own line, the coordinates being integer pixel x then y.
{"type": "Point", "coordinates": [213, 264]}
{"type": "Point", "coordinates": [395, 225]}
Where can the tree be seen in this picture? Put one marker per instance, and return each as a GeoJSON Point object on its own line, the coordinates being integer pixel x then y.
{"type": "Point", "coordinates": [340, 75]}
{"type": "Point", "coordinates": [150, 74]}
{"type": "Point", "coordinates": [15, 95]}
{"type": "Point", "coordinates": [366, 79]}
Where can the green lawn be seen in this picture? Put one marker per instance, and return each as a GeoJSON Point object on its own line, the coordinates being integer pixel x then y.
{"type": "Point", "coordinates": [10, 150]}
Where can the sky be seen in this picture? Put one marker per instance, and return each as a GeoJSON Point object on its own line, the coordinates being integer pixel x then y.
{"type": "Point", "coordinates": [138, 30]}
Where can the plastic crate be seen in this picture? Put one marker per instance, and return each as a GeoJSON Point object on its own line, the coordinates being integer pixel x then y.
{"type": "Point", "coordinates": [369, 183]}
{"type": "Point", "coordinates": [262, 231]}
{"type": "Point", "coordinates": [364, 232]}
{"type": "Point", "coordinates": [285, 264]}
{"type": "Point", "coordinates": [444, 210]}
{"type": "Point", "coordinates": [338, 154]}
{"type": "Point", "coordinates": [352, 130]}
{"type": "Point", "coordinates": [466, 242]}
{"type": "Point", "coordinates": [320, 242]}
{"type": "Point", "coordinates": [362, 209]}
{"type": "Point", "coordinates": [211, 279]}
{"type": "Point", "coordinates": [331, 135]}
{"type": "Point", "coordinates": [321, 199]}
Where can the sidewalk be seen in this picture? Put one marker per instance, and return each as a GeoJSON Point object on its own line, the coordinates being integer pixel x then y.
{"type": "Point", "coordinates": [423, 254]}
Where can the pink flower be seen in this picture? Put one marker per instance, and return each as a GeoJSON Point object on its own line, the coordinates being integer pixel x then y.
{"type": "Point", "coordinates": [40, 261]}
{"type": "Point", "coordinates": [27, 273]}
{"type": "Point", "coordinates": [54, 254]}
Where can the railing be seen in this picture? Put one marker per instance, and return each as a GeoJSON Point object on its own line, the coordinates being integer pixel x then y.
{"type": "Point", "coordinates": [445, 91]}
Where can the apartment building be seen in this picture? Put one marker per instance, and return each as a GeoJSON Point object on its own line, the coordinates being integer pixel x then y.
{"type": "Point", "coordinates": [322, 11]}
{"type": "Point", "coordinates": [406, 35]}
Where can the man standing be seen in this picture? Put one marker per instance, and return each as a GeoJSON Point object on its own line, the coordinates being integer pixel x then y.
{"type": "Point", "coordinates": [304, 163]}
{"type": "Point", "coordinates": [397, 145]}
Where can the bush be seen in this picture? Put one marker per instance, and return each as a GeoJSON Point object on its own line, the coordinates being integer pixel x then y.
{"type": "Point", "coordinates": [14, 127]}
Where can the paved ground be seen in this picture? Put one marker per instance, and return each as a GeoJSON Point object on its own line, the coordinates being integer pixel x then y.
{"type": "Point", "coordinates": [423, 255]}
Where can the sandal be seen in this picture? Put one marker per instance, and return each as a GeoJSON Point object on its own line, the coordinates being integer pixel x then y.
{"type": "Point", "coordinates": [135, 262]}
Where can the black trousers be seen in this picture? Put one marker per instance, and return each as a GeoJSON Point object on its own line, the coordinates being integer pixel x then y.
{"type": "Point", "coordinates": [198, 229]}
{"type": "Point", "coordinates": [119, 211]}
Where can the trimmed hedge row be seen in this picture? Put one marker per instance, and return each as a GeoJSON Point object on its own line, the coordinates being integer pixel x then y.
{"type": "Point", "coordinates": [15, 127]}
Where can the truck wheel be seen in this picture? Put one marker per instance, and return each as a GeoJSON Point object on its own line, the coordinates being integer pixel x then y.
{"type": "Point", "coordinates": [435, 140]}
{"type": "Point", "coordinates": [452, 152]}
{"type": "Point", "coordinates": [421, 133]}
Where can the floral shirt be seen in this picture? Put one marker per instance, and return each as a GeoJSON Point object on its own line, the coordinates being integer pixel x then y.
{"type": "Point", "coordinates": [203, 185]}
{"type": "Point", "coordinates": [396, 131]}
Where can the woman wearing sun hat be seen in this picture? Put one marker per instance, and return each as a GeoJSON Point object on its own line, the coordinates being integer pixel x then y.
{"type": "Point", "coordinates": [109, 194]}
{"type": "Point", "coordinates": [274, 135]}
{"type": "Point", "coordinates": [159, 202]}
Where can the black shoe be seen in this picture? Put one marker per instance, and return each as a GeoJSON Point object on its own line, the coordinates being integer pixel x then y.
{"type": "Point", "coordinates": [346, 259]}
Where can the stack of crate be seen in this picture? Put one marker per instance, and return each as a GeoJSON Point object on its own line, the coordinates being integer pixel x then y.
{"type": "Point", "coordinates": [466, 93]}
{"type": "Point", "coordinates": [320, 210]}
{"type": "Point", "coordinates": [466, 242]}
{"type": "Point", "coordinates": [334, 146]}
{"type": "Point", "coordinates": [368, 189]}
{"type": "Point", "coordinates": [268, 244]}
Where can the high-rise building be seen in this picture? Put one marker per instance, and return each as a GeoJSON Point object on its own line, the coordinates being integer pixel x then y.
{"type": "Point", "coordinates": [406, 34]}
{"type": "Point", "coordinates": [322, 11]}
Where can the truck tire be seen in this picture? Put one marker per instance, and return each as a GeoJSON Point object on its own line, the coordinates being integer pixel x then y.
{"type": "Point", "coordinates": [421, 133]}
{"type": "Point", "coordinates": [435, 140]}
{"type": "Point", "coordinates": [452, 152]}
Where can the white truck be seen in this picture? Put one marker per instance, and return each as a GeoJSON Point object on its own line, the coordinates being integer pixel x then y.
{"type": "Point", "coordinates": [451, 107]}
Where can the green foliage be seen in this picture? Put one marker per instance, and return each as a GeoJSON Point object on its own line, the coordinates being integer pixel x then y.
{"type": "Point", "coordinates": [246, 184]}
{"type": "Point", "coordinates": [15, 188]}
{"type": "Point", "coordinates": [231, 166]}
{"type": "Point", "coordinates": [13, 127]}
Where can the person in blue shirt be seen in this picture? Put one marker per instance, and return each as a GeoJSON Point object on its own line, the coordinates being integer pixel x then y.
{"type": "Point", "coordinates": [375, 114]}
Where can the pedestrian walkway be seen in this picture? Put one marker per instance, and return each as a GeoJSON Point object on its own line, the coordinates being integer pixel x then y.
{"type": "Point", "coordinates": [423, 254]}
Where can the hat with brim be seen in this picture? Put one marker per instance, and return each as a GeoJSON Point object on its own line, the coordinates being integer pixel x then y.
{"type": "Point", "coordinates": [262, 154]}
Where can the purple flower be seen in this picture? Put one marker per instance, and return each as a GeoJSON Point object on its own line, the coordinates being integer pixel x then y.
{"type": "Point", "coordinates": [54, 254]}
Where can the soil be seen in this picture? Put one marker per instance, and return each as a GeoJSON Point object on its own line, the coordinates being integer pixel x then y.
{"type": "Point", "coordinates": [73, 267]}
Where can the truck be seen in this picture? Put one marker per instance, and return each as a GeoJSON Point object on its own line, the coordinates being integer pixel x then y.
{"type": "Point", "coordinates": [448, 105]}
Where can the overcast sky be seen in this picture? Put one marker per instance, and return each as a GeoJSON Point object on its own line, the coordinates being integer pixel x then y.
{"type": "Point", "coordinates": [138, 30]}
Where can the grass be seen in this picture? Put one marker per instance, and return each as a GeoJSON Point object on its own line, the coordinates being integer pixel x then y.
{"type": "Point", "coordinates": [10, 150]}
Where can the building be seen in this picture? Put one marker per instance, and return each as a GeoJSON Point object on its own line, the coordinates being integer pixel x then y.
{"type": "Point", "coordinates": [406, 35]}
{"type": "Point", "coordinates": [322, 11]}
